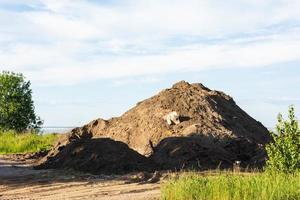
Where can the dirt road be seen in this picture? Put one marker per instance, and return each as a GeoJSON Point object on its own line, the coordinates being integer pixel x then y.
{"type": "Point", "coordinates": [19, 181]}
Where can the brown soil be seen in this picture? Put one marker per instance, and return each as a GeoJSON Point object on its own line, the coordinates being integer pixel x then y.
{"type": "Point", "coordinates": [213, 131]}
{"type": "Point", "coordinates": [19, 181]}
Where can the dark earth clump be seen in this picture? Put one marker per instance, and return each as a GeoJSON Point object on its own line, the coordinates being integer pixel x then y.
{"type": "Point", "coordinates": [101, 155]}
{"type": "Point", "coordinates": [204, 153]}
{"type": "Point", "coordinates": [213, 132]}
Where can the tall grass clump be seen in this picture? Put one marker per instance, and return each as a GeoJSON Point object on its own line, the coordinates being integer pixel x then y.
{"type": "Point", "coordinates": [228, 186]}
{"type": "Point", "coordinates": [12, 142]}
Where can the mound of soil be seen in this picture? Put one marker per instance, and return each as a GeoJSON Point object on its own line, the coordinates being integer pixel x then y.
{"type": "Point", "coordinates": [212, 129]}
{"type": "Point", "coordinates": [203, 153]}
{"type": "Point", "coordinates": [98, 156]}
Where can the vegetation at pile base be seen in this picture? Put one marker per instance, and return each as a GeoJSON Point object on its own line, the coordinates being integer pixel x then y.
{"type": "Point", "coordinates": [284, 151]}
{"type": "Point", "coordinates": [280, 181]}
{"type": "Point", "coordinates": [16, 104]}
{"type": "Point", "coordinates": [229, 186]}
{"type": "Point", "coordinates": [13, 142]}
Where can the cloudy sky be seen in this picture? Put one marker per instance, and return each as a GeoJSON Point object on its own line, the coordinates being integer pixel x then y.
{"type": "Point", "coordinates": [96, 58]}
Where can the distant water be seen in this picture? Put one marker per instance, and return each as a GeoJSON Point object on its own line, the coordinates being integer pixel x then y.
{"type": "Point", "coordinates": [56, 129]}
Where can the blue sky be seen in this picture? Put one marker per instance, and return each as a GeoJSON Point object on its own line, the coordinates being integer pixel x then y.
{"type": "Point", "coordinates": [88, 59]}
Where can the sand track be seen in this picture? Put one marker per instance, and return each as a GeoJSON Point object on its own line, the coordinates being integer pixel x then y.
{"type": "Point", "coordinates": [19, 181]}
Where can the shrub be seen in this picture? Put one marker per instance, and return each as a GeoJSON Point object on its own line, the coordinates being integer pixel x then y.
{"type": "Point", "coordinates": [284, 151]}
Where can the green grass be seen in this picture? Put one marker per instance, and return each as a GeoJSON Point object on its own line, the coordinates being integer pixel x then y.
{"type": "Point", "coordinates": [229, 186]}
{"type": "Point", "coordinates": [11, 142]}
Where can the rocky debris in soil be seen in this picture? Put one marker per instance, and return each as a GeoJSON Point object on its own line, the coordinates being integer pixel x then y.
{"type": "Point", "coordinates": [212, 129]}
{"type": "Point", "coordinates": [27, 158]}
{"type": "Point", "coordinates": [155, 177]}
{"type": "Point", "coordinates": [146, 177]}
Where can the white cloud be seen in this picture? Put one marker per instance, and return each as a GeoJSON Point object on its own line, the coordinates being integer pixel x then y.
{"type": "Point", "coordinates": [67, 42]}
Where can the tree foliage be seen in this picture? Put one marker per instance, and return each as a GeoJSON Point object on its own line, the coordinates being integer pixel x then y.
{"type": "Point", "coordinates": [284, 151]}
{"type": "Point", "coordinates": [16, 104]}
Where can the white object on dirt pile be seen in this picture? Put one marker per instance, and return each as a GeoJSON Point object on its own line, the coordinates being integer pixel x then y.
{"type": "Point", "coordinates": [237, 166]}
{"type": "Point", "coordinates": [237, 162]}
{"type": "Point", "coordinates": [172, 118]}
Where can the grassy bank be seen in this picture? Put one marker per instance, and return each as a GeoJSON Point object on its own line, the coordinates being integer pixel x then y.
{"type": "Point", "coordinates": [225, 186]}
{"type": "Point", "coordinates": [11, 142]}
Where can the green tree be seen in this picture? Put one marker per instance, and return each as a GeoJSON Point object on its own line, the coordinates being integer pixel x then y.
{"type": "Point", "coordinates": [16, 104]}
{"type": "Point", "coordinates": [284, 151]}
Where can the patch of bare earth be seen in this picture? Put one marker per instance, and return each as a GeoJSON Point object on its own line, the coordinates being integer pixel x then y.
{"type": "Point", "coordinates": [18, 180]}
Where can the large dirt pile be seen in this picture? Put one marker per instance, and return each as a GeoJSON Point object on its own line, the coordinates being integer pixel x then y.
{"type": "Point", "coordinates": [212, 129]}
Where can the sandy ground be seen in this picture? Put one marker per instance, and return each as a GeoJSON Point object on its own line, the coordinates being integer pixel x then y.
{"type": "Point", "coordinates": [19, 181]}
